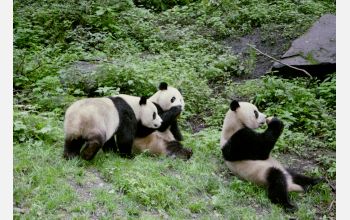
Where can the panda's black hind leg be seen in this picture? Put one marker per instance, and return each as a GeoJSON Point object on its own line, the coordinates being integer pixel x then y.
{"type": "Point", "coordinates": [278, 190]}
{"type": "Point", "coordinates": [72, 148]}
{"type": "Point", "coordinates": [110, 145]}
{"type": "Point", "coordinates": [93, 145]}
{"type": "Point", "coordinates": [304, 181]}
{"type": "Point", "coordinates": [176, 149]}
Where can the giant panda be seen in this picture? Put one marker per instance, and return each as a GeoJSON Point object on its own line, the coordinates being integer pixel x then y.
{"type": "Point", "coordinates": [247, 153]}
{"type": "Point", "coordinates": [95, 120]}
{"type": "Point", "coordinates": [166, 139]}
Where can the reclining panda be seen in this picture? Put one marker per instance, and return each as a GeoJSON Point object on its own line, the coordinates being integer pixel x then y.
{"type": "Point", "coordinates": [164, 140]}
{"type": "Point", "coordinates": [247, 153]}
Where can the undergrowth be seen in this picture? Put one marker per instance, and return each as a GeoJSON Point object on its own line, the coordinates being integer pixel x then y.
{"type": "Point", "coordinates": [66, 50]}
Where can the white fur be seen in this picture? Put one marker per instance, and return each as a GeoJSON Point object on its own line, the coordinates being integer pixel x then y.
{"type": "Point", "coordinates": [98, 116]}
{"type": "Point", "coordinates": [156, 142]}
{"type": "Point", "coordinates": [233, 120]}
{"type": "Point", "coordinates": [251, 170]}
{"type": "Point", "coordinates": [91, 116]}
{"type": "Point", "coordinates": [143, 112]}
{"type": "Point", "coordinates": [256, 171]}
{"type": "Point", "coordinates": [163, 98]}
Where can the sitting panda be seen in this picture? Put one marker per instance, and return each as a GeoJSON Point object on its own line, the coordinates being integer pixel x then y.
{"type": "Point", "coordinates": [247, 153]}
{"type": "Point", "coordinates": [165, 140]}
{"type": "Point", "coordinates": [95, 120]}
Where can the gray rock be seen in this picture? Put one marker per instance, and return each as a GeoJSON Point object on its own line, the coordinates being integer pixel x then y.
{"type": "Point", "coordinates": [314, 51]}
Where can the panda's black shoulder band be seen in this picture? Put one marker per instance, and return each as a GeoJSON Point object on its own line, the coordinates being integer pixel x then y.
{"type": "Point", "coordinates": [234, 105]}
{"type": "Point", "coordinates": [143, 100]}
{"type": "Point", "coordinates": [163, 86]}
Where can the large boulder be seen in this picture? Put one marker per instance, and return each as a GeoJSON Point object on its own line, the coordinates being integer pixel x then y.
{"type": "Point", "coordinates": [314, 51]}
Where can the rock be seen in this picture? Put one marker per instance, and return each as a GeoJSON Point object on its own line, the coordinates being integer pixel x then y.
{"type": "Point", "coordinates": [314, 51]}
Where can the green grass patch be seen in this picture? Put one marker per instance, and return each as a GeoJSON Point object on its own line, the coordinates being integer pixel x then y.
{"type": "Point", "coordinates": [134, 48]}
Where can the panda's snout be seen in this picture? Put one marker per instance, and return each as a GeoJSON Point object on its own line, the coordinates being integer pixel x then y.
{"type": "Point", "coordinates": [158, 123]}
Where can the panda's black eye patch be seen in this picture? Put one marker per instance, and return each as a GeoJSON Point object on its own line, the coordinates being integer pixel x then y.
{"type": "Point", "coordinates": [256, 113]}
{"type": "Point", "coordinates": [172, 99]}
{"type": "Point", "coordinates": [154, 115]}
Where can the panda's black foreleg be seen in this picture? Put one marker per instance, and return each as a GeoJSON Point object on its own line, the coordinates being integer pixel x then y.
{"type": "Point", "coordinates": [93, 145]}
{"type": "Point", "coordinates": [304, 181]}
{"type": "Point", "coordinates": [169, 117]}
{"type": "Point", "coordinates": [278, 190]}
{"type": "Point", "coordinates": [125, 140]}
{"type": "Point", "coordinates": [72, 148]}
{"type": "Point", "coordinates": [110, 145]}
{"type": "Point", "coordinates": [125, 147]}
{"type": "Point", "coordinates": [174, 129]}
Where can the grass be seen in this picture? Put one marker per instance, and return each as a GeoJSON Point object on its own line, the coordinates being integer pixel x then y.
{"type": "Point", "coordinates": [132, 50]}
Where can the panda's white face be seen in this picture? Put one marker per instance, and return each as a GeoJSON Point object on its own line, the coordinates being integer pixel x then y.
{"type": "Point", "coordinates": [168, 98]}
{"type": "Point", "coordinates": [241, 114]}
{"type": "Point", "coordinates": [149, 115]}
{"type": "Point", "coordinates": [249, 115]}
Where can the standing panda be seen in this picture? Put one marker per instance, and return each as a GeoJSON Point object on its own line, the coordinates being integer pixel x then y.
{"type": "Point", "coordinates": [95, 120]}
{"type": "Point", "coordinates": [247, 153]}
{"type": "Point", "coordinates": [165, 140]}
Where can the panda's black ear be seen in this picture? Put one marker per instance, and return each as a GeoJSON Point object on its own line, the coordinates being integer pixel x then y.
{"type": "Point", "coordinates": [143, 100]}
{"type": "Point", "coordinates": [163, 86]}
{"type": "Point", "coordinates": [234, 105]}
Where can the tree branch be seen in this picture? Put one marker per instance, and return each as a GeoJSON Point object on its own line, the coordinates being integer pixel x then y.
{"type": "Point", "coordinates": [306, 72]}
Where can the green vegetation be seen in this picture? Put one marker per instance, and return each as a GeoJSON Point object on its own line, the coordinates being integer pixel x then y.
{"type": "Point", "coordinates": [130, 50]}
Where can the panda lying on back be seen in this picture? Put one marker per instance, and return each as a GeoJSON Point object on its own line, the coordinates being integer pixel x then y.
{"type": "Point", "coordinates": [247, 153]}
{"type": "Point", "coordinates": [166, 140]}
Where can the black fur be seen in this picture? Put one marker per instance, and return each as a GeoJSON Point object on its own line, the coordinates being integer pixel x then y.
{"type": "Point", "coordinates": [277, 189]}
{"type": "Point", "coordinates": [163, 86]}
{"type": "Point", "coordinates": [126, 130]}
{"type": "Point", "coordinates": [143, 100]}
{"type": "Point", "coordinates": [110, 145]}
{"type": "Point", "coordinates": [93, 145]}
{"type": "Point", "coordinates": [175, 130]}
{"type": "Point", "coordinates": [234, 105]}
{"type": "Point", "coordinates": [168, 117]}
{"type": "Point", "coordinates": [176, 149]}
{"type": "Point", "coordinates": [72, 148]}
{"type": "Point", "coordinates": [304, 181]}
{"type": "Point", "coordinates": [247, 144]}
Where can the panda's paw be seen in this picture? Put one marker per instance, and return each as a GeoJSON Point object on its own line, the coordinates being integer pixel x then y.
{"type": "Point", "coordinates": [274, 123]}
{"type": "Point", "coordinates": [312, 182]}
{"type": "Point", "coordinates": [176, 110]}
{"type": "Point", "coordinates": [268, 119]}
{"type": "Point", "coordinates": [289, 207]}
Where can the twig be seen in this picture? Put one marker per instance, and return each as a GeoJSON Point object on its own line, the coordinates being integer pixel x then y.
{"type": "Point", "coordinates": [331, 205]}
{"type": "Point", "coordinates": [330, 185]}
{"type": "Point", "coordinates": [37, 67]}
{"type": "Point", "coordinates": [306, 72]}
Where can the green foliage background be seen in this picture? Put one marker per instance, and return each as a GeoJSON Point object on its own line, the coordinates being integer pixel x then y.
{"type": "Point", "coordinates": [134, 46]}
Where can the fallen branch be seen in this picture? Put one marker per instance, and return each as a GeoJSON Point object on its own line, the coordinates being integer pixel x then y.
{"type": "Point", "coordinates": [306, 72]}
{"type": "Point", "coordinates": [331, 205]}
{"type": "Point", "coordinates": [330, 184]}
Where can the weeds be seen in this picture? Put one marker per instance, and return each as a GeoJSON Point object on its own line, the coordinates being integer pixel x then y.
{"type": "Point", "coordinates": [130, 49]}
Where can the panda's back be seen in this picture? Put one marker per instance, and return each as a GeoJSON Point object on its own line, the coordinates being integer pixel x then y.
{"type": "Point", "coordinates": [91, 115]}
